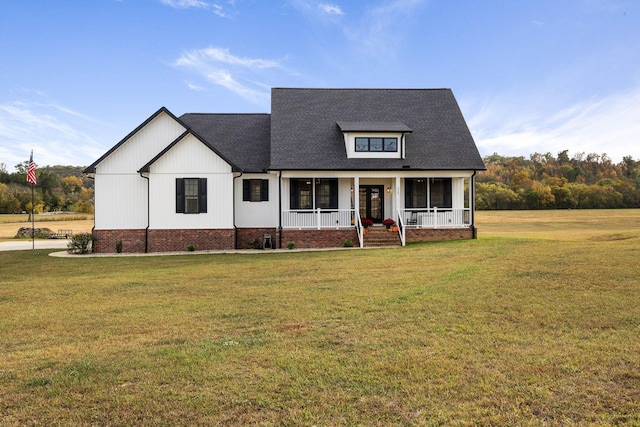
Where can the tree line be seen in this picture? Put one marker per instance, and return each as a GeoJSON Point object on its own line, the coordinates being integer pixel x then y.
{"type": "Point", "coordinates": [58, 188]}
{"type": "Point", "coordinates": [582, 181]}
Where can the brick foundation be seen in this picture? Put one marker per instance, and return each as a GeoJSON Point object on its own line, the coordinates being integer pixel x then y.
{"type": "Point", "coordinates": [211, 239]}
{"type": "Point", "coordinates": [132, 241]}
{"type": "Point", "coordinates": [246, 237]}
{"type": "Point", "coordinates": [202, 239]}
{"type": "Point", "coordinates": [304, 239]}
{"type": "Point", "coordinates": [438, 234]}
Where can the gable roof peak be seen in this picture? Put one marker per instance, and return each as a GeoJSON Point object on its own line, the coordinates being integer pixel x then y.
{"type": "Point", "coordinates": [161, 110]}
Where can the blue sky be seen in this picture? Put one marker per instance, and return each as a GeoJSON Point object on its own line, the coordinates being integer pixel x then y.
{"type": "Point", "coordinates": [76, 76]}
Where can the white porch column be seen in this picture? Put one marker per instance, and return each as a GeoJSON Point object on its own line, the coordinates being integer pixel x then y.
{"type": "Point", "coordinates": [356, 193]}
{"type": "Point", "coordinates": [396, 198]}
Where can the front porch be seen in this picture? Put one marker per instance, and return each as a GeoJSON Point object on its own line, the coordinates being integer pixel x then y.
{"type": "Point", "coordinates": [416, 200]}
{"type": "Point", "coordinates": [409, 223]}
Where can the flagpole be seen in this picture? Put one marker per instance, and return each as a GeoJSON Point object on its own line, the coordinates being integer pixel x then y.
{"type": "Point", "coordinates": [31, 178]}
{"type": "Point", "coordinates": [33, 222]}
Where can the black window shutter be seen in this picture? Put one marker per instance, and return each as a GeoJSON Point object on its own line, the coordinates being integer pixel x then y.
{"type": "Point", "coordinates": [264, 190]}
{"type": "Point", "coordinates": [246, 190]}
{"type": "Point", "coordinates": [179, 195]}
{"type": "Point", "coordinates": [202, 195]}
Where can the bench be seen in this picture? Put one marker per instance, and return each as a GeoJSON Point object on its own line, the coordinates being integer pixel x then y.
{"type": "Point", "coordinates": [61, 234]}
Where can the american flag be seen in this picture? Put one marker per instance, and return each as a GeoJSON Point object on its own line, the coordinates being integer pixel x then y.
{"type": "Point", "coordinates": [31, 172]}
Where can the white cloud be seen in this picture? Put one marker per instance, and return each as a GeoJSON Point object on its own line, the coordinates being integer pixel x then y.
{"type": "Point", "coordinates": [194, 87]}
{"type": "Point", "coordinates": [330, 9]}
{"type": "Point", "coordinates": [56, 134]}
{"type": "Point", "coordinates": [186, 4]}
{"type": "Point", "coordinates": [381, 29]}
{"type": "Point", "coordinates": [216, 54]}
{"type": "Point", "coordinates": [609, 125]}
{"type": "Point", "coordinates": [216, 8]}
{"type": "Point", "coordinates": [220, 67]}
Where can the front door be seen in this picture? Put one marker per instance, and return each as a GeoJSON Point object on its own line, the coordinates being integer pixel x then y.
{"type": "Point", "coordinates": [372, 202]}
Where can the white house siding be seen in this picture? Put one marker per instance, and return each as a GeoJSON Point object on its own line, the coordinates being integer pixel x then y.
{"type": "Point", "coordinates": [121, 193]}
{"type": "Point", "coordinates": [120, 202]}
{"type": "Point", "coordinates": [257, 214]}
{"type": "Point", "coordinates": [344, 193]}
{"type": "Point", "coordinates": [142, 147]}
{"type": "Point", "coordinates": [457, 193]}
{"type": "Point", "coordinates": [190, 158]}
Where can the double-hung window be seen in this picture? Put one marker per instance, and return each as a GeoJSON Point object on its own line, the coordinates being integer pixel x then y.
{"type": "Point", "coordinates": [255, 190]}
{"type": "Point", "coordinates": [417, 189]}
{"type": "Point", "coordinates": [415, 193]}
{"type": "Point", "coordinates": [307, 194]}
{"type": "Point", "coordinates": [440, 192]}
{"type": "Point", "coordinates": [191, 195]}
{"type": "Point", "coordinates": [301, 194]}
{"type": "Point", "coordinates": [327, 193]}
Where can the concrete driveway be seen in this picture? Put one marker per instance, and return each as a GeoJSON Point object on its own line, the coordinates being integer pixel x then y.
{"type": "Point", "coordinates": [24, 245]}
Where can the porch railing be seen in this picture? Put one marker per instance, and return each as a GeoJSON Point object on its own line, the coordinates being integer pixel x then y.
{"type": "Point", "coordinates": [435, 217]}
{"type": "Point", "coordinates": [401, 228]}
{"type": "Point", "coordinates": [319, 218]}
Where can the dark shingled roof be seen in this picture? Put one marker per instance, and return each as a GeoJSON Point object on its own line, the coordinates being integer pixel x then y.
{"type": "Point", "coordinates": [243, 139]}
{"type": "Point", "coordinates": [305, 133]}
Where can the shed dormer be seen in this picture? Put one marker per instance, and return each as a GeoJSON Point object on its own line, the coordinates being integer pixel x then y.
{"type": "Point", "coordinates": [374, 140]}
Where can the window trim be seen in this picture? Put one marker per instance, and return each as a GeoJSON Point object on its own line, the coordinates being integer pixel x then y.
{"type": "Point", "coordinates": [181, 198]}
{"type": "Point", "coordinates": [383, 148]}
{"type": "Point", "coordinates": [409, 193]}
{"type": "Point", "coordinates": [296, 185]}
{"type": "Point", "coordinates": [446, 185]}
{"type": "Point", "coordinates": [333, 192]}
{"type": "Point", "coordinates": [247, 193]}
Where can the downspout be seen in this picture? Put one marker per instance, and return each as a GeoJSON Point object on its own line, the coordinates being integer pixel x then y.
{"type": "Point", "coordinates": [146, 230]}
{"type": "Point", "coordinates": [235, 227]}
{"type": "Point", "coordinates": [472, 193]}
{"type": "Point", "coordinates": [279, 209]}
{"type": "Point", "coordinates": [94, 209]}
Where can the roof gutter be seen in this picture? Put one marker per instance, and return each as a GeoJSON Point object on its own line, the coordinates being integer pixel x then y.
{"type": "Point", "coordinates": [472, 193]}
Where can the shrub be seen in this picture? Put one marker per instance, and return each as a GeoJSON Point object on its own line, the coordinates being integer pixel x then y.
{"type": "Point", "coordinates": [291, 245]}
{"type": "Point", "coordinates": [119, 246]}
{"type": "Point", "coordinates": [191, 247]}
{"type": "Point", "coordinates": [80, 243]}
{"type": "Point", "coordinates": [347, 243]}
{"type": "Point", "coordinates": [256, 244]}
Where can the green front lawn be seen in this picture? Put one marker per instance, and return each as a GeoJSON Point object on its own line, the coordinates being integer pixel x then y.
{"type": "Point", "coordinates": [540, 327]}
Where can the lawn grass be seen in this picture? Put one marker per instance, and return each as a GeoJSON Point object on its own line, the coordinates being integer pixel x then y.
{"type": "Point", "coordinates": [528, 325]}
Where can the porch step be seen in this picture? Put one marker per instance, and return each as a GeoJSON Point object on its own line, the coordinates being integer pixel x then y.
{"type": "Point", "coordinates": [380, 236]}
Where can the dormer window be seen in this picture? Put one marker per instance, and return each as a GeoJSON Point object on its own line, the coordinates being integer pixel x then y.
{"type": "Point", "coordinates": [376, 144]}
{"type": "Point", "coordinates": [371, 140]}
